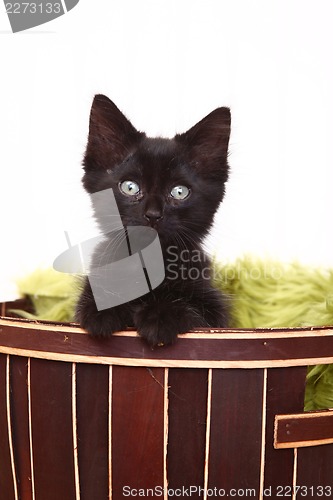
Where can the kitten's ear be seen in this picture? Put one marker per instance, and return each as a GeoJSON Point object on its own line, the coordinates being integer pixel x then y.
{"type": "Point", "coordinates": [111, 135]}
{"type": "Point", "coordinates": [207, 142]}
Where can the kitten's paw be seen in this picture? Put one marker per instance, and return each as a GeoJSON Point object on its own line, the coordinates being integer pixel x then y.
{"type": "Point", "coordinates": [102, 323]}
{"type": "Point", "coordinates": [157, 325]}
{"type": "Point", "coordinates": [160, 323]}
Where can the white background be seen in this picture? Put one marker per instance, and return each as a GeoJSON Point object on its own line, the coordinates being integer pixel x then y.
{"type": "Point", "coordinates": [166, 64]}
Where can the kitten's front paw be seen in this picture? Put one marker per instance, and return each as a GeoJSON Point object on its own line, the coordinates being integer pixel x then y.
{"type": "Point", "coordinates": [156, 325]}
{"type": "Point", "coordinates": [101, 323]}
{"type": "Point", "coordinates": [160, 323]}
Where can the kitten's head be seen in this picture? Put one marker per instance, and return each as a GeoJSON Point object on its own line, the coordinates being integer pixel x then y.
{"type": "Point", "coordinates": [173, 185]}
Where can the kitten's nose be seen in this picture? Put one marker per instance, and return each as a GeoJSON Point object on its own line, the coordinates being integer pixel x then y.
{"type": "Point", "coordinates": [153, 215]}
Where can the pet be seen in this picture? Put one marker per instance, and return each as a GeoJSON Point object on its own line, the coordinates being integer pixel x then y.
{"type": "Point", "coordinates": [174, 186]}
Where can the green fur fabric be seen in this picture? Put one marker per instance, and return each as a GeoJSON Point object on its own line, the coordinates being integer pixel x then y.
{"type": "Point", "coordinates": [270, 294]}
{"type": "Point", "coordinates": [263, 294]}
{"type": "Point", "coordinates": [52, 294]}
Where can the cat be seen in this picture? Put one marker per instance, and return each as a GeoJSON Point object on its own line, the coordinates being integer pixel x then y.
{"type": "Point", "coordinates": [175, 187]}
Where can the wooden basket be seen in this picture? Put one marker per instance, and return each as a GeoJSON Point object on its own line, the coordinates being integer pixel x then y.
{"type": "Point", "coordinates": [220, 413]}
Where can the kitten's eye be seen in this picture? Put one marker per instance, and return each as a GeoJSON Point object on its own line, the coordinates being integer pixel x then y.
{"type": "Point", "coordinates": [129, 188]}
{"type": "Point", "coordinates": [180, 192]}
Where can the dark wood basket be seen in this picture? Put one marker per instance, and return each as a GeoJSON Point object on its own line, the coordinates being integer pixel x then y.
{"type": "Point", "coordinates": [220, 413]}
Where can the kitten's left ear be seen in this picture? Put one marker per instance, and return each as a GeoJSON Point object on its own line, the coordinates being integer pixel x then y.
{"type": "Point", "coordinates": [111, 135]}
{"type": "Point", "coordinates": [207, 142]}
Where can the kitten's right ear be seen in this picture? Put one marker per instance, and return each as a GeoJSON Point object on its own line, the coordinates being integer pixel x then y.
{"type": "Point", "coordinates": [207, 142]}
{"type": "Point", "coordinates": [112, 137]}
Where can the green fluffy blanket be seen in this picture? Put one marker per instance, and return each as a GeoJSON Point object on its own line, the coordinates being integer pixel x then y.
{"type": "Point", "coordinates": [262, 294]}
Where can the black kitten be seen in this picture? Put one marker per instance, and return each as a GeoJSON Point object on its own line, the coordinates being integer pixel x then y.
{"type": "Point", "coordinates": [174, 186]}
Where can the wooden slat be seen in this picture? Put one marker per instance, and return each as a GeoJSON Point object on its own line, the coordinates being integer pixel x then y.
{"type": "Point", "coordinates": [30, 432]}
{"type": "Point", "coordinates": [235, 430]}
{"type": "Point", "coordinates": [10, 429]}
{"type": "Point", "coordinates": [20, 422]}
{"type": "Point", "coordinates": [285, 394]}
{"type": "Point", "coordinates": [75, 436]}
{"type": "Point", "coordinates": [137, 429]}
{"type": "Point", "coordinates": [260, 333]}
{"type": "Point", "coordinates": [7, 480]}
{"type": "Point", "coordinates": [187, 428]}
{"type": "Point", "coordinates": [92, 384]}
{"type": "Point", "coordinates": [52, 430]}
{"type": "Point", "coordinates": [23, 304]}
{"type": "Point", "coordinates": [303, 429]}
{"type": "Point", "coordinates": [224, 350]}
{"type": "Point", "coordinates": [315, 472]}
{"type": "Point", "coordinates": [208, 426]}
{"type": "Point", "coordinates": [263, 434]}
{"type": "Point", "coordinates": [110, 431]}
{"type": "Point", "coordinates": [165, 431]}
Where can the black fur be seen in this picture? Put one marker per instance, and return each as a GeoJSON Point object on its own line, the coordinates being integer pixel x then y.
{"type": "Point", "coordinates": [197, 159]}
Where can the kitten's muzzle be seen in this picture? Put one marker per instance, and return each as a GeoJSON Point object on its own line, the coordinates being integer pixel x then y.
{"type": "Point", "coordinates": [153, 216]}
{"type": "Point", "coordinates": [153, 210]}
